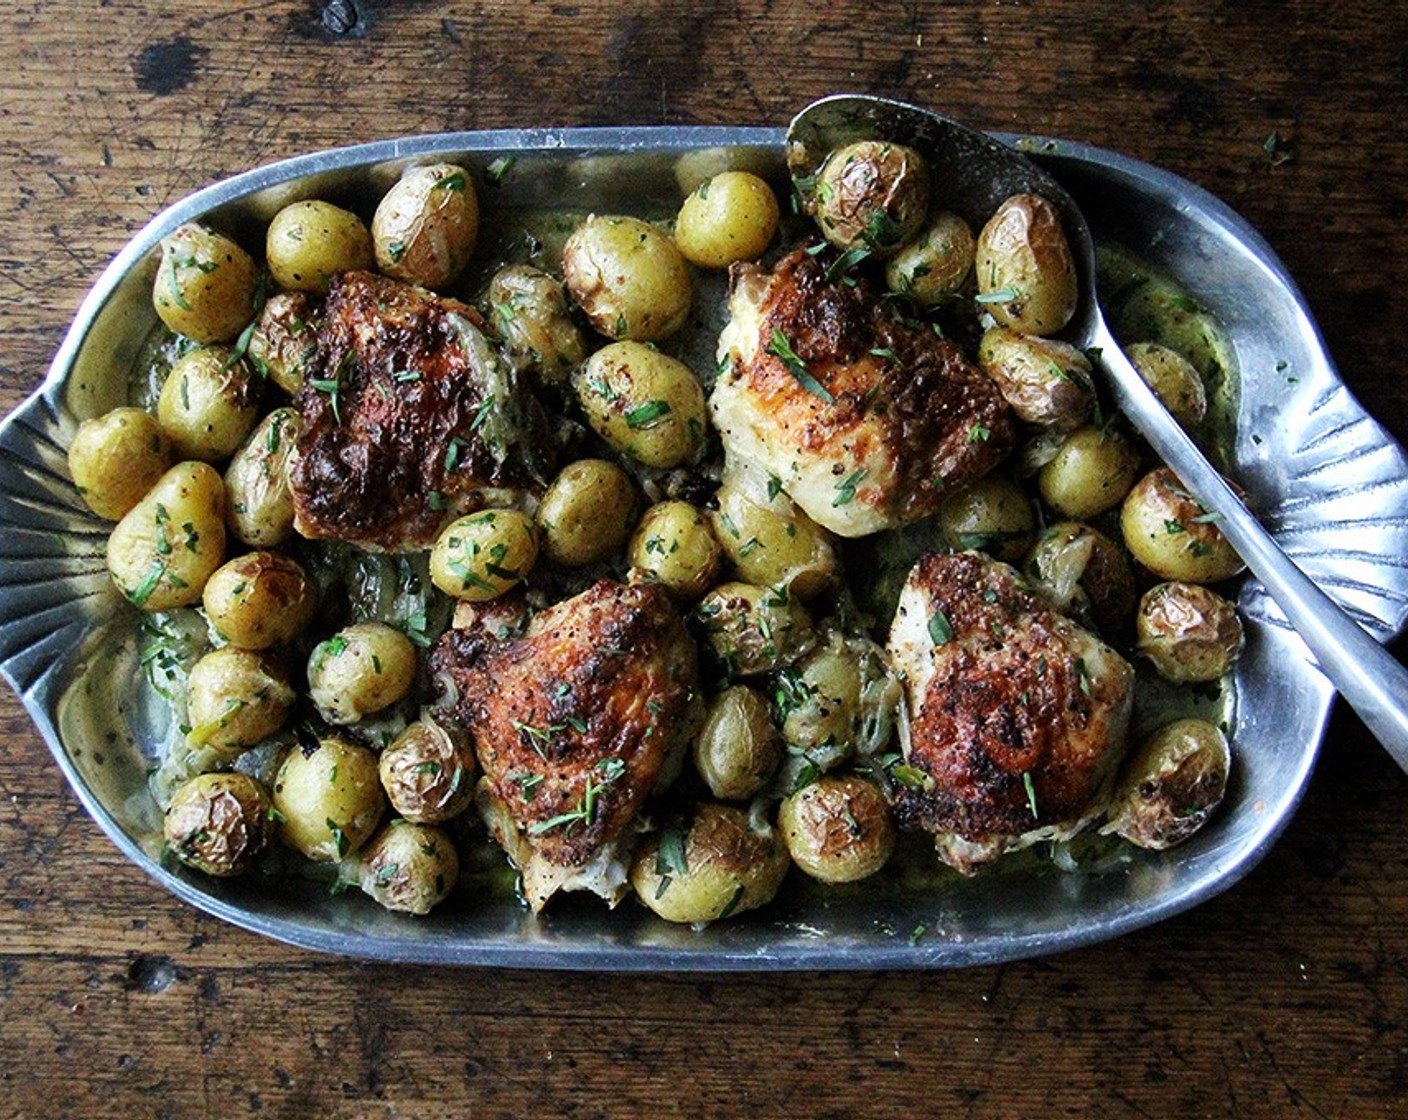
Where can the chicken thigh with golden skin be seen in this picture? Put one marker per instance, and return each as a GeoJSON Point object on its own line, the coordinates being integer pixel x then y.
{"type": "Point", "coordinates": [1017, 716]}
{"type": "Point", "coordinates": [867, 420]}
{"type": "Point", "coordinates": [575, 723]}
{"type": "Point", "coordinates": [409, 417]}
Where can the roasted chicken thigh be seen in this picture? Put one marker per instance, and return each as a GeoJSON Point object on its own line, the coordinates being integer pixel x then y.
{"type": "Point", "coordinates": [409, 416]}
{"type": "Point", "coordinates": [1016, 715]}
{"type": "Point", "coordinates": [575, 723]}
{"type": "Point", "coordinates": [867, 420]}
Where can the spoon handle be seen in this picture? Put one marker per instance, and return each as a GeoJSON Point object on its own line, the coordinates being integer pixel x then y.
{"type": "Point", "coordinates": [1365, 673]}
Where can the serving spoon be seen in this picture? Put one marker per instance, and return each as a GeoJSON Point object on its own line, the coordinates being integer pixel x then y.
{"type": "Point", "coordinates": [978, 172]}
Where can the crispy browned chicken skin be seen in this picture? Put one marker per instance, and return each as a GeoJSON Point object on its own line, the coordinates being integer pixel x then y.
{"type": "Point", "coordinates": [575, 723]}
{"type": "Point", "coordinates": [408, 417]}
{"type": "Point", "coordinates": [1017, 715]}
{"type": "Point", "coordinates": [866, 420]}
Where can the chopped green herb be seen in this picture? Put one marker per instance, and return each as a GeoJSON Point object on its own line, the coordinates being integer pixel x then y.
{"type": "Point", "coordinates": [846, 488]}
{"type": "Point", "coordinates": [940, 629]}
{"type": "Point", "coordinates": [781, 348]}
{"type": "Point", "coordinates": [646, 415]}
{"type": "Point", "coordinates": [495, 172]}
{"type": "Point", "coordinates": [1031, 793]}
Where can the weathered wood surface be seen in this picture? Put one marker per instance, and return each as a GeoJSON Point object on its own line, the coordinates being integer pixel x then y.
{"type": "Point", "coordinates": [1287, 996]}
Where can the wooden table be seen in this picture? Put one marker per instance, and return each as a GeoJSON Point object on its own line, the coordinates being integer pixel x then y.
{"type": "Point", "coordinates": [1285, 997]}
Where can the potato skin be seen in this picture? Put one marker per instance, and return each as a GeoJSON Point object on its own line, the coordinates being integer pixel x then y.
{"type": "Point", "coordinates": [259, 505]}
{"type": "Point", "coordinates": [484, 554]}
{"type": "Point", "coordinates": [993, 515]}
{"type": "Point", "coordinates": [218, 823]}
{"type": "Point", "coordinates": [408, 867]}
{"type": "Point", "coordinates": [738, 749]}
{"type": "Point", "coordinates": [1171, 785]}
{"type": "Point", "coordinates": [260, 599]}
{"type": "Point", "coordinates": [427, 773]}
{"type": "Point", "coordinates": [1047, 382]}
{"type": "Point", "coordinates": [116, 458]}
{"type": "Point", "coordinates": [285, 339]}
{"type": "Point", "coordinates": [936, 266]}
{"type": "Point", "coordinates": [327, 799]}
{"type": "Point", "coordinates": [715, 866]}
{"type": "Point", "coordinates": [308, 243]}
{"type": "Point", "coordinates": [209, 404]}
{"type": "Point", "coordinates": [205, 285]}
{"type": "Point", "coordinates": [166, 546]}
{"type": "Point", "coordinates": [528, 311]}
{"type": "Point", "coordinates": [646, 404]}
{"type": "Point", "coordinates": [425, 227]}
{"type": "Point", "coordinates": [361, 669]}
{"type": "Point", "coordinates": [871, 195]}
{"type": "Point", "coordinates": [731, 217]}
{"type": "Point", "coordinates": [674, 546]}
{"type": "Point", "coordinates": [1085, 575]}
{"type": "Point", "coordinates": [1187, 632]}
{"type": "Point", "coordinates": [1170, 533]}
{"type": "Point", "coordinates": [838, 829]}
{"type": "Point", "coordinates": [586, 513]}
{"type": "Point", "coordinates": [771, 541]}
{"type": "Point", "coordinates": [1091, 472]}
{"type": "Point", "coordinates": [235, 698]}
{"type": "Point", "coordinates": [628, 277]}
{"type": "Point", "coordinates": [751, 629]}
{"type": "Point", "coordinates": [1026, 274]}
{"type": "Point", "coordinates": [1174, 380]}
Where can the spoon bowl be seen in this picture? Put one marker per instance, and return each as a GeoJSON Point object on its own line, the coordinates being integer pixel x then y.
{"type": "Point", "coordinates": [974, 173]}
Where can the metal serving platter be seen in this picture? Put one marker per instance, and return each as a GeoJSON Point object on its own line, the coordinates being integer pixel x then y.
{"type": "Point", "coordinates": [1329, 481]}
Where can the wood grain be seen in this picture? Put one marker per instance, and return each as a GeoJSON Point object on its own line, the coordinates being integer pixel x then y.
{"type": "Point", "coordinates": [1285, 997]}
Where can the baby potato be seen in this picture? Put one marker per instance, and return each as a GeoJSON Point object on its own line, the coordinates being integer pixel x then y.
{"type": "Point", "coordinates": [308, 243]}
{"type": "Point", "coordinates": [285, 339]}
{"type": "Point", "coordinates": [408, 867]}
{"type": "Point", "coordinates": [933, 267]}
{"type": "Point", "coordinates": [165, 547]}
{"type": "Point", "coordinates": [1174, 380]}
{"type": "Point", "coordinates": [837, 701]}
{"type": "Point", "coordinates": [1170, 786]}
{"type": "Point", "coordinates": [731, 217]}
{"type": "Point", "coordinates": [770, 541]}
{"type": "Point", "coordinates": [674, 546]}
{"type": "Point", "coordinates": [586, 513]}
{"type": "Point", "coordinates": [993, 515]}
{"type": "Point", "coordinates": [1168, 531]}
{"type": "Point", "coordinates": [218, 823]}
{"type": "Point", "coordinates": [425, 226]}
{"type": "Point", "coordinates": [738, 749]}
{"type": "Point", "coordinates": [528, 311]}
{"type": "Point", "coordinates": [751, 629]}
{"type": "Point", "coordinates": [837, 829]}
{"type": "Point", "coordinates": [209, 403]}
{"type": "Point", "coordinates": [259, 504]}
{"type": "Point", "coordinates": [327, 799]}
{"type": "Point", "coordinates": [1084, 574]}
{"type": "Point", "coordinates": [1026, 274]}
{"type": "Point", "coordinates": [116, 458]}
{"type": "Point", "coordinates": [483, 554]}
{"type": "Point", "coordinates": [1046, 381]}
{"type": "Point", "coordinates": [361, 669]}
{"type": "Point", "coordinates": [427, 774]}
{"type": "Point", "coordinates": [871, 195]}
{"type": "Point", "coordinates": [236, 698]}
{"type": "Point", "coordinates": [628, 277]}
{"type": "Point", "coordinates": [643, 403]}
{"type": "Point", "coordinates": [259, 600]}
{"type": "Point", "coordinates": [205, 285]}
{"type": "Point", "coordinates": [709, 866]}
{"type": "Point", "coordinates": [1187, 632]}
{"type": "Point", "coordinates": [1091, 472]}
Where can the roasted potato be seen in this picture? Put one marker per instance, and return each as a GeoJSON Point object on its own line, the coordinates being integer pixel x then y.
{"type": "Point", "coordinates": [993, 515]}
{"type": "Point", "coordinates": [327, 798]}
{"type": "Point", "coordinates": [586, 513]}
{"type": "Point", "coordinates": [936, 265]}
{"type": "Point", "coordinates": [218, 823]}
{"type": "Point", "coordinates": [837, 829]}
{"type": "Point", "coordinates": [259, 506]}
{"type": "Point", "coordinates": [482, 555]}
{"type": "Point", "coordinates": [116, 458]}
{"type": "Point", "coordinates": [1026, 274]}
{"type": "Point", "coordinates": [361, 669]}
{"type": "Point", "coordinates": [871, 195]}
{"type": "Point", "coordinates": [285, 339]}
{"type": "Point", "coordinates": [628, 278]}
{"type": "Point", "coordinates": [425, 227]}
{"type": "Point", "coordinates": [166, 546]}
{"type": "Point", "coordinates": [675, 546]}
{"type": "Point", "coordinates": [260, 599]}
{"type": "Point", "coordinates": [730, 217]}
{"type": "Point", "coordinates": [751, 629]}
{"type": "Point", "coordinates": [528, 311]}
{"type": "Point", "coordinates": [236, 698]}
{"type": "Point", "coordinates": [1168, 531]}
{"type": "Point", "coordinates": [408, 867]}
{"type": "Point", "coordinates": [1187, 632]}
{"type": "Point", "coordinates": [205, 286]}
{"type": "Point", "coordinates": [646, 404]}
{"type": "Point", "coordinates": [738, 749]}
{"type": "Point", "coordinates": [1046, 381]}
{"type": "Point", "coordinates": [1090, 473]}
{"type": "Point", "coordinates": [427, 773]}
{"type": "Point", "coordinates": [1174, 380]}
{"type": "Point", "coordinates": [770, 540]}
{"type": "Point", "coordinates": [308, 243]}
{"type": "Point", "coordinates": [1170, 786]}
{"type": "Point", "coordinates": [209, 404]}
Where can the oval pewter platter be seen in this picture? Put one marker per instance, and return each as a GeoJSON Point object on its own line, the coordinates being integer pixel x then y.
{"type": "Point", "coordinates": [1327, 478]}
